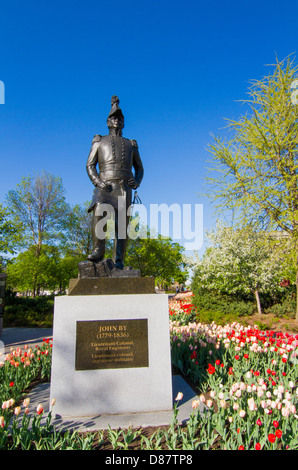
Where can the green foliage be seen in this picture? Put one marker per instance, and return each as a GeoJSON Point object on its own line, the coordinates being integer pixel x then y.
{"type": "Point", "coordinates": [215, 306]}
{"type": "Point", "coordinates": [158, 257]}
{"type": "Point", "coordinates": [257, 166]}
{"type": "Point", "coordinates": [38, 205]}
{"type": "Point", "coordinates": [50, 271]}
{"type": "Point", "coordinates": [28, 312]}
{"type": "Point", "coordinates": [9, 234]}
{"type": "Point", "coordinates": [78, 238]}
{"type": "Point", "coordinates": [239, 263]}
{"type": "Point", "coordinates": [286, 307]}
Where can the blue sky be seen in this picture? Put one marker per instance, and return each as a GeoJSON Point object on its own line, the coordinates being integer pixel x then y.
{"type": "Point", "coordinates": [178, 67]}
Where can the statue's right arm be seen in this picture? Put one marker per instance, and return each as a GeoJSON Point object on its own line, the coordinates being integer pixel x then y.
{"type": "Point", "coordinates": [91, 165]}
{"type": "Point", "coordinates": [92, 161]}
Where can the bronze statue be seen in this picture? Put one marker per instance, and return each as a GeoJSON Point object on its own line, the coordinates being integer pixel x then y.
{"type": "Point", "coordinates": [115, 157]}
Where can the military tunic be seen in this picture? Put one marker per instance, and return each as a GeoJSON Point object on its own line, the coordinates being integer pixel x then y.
{"type": "Point", "coordinates": [115, 157]}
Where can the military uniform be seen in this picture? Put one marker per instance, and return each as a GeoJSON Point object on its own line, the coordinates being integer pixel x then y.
{"type": "Point", "coordinates": [115, 157]}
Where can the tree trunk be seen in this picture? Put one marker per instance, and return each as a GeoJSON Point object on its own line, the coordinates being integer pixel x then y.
{"type": "Point", "coordinates": [258, 302]}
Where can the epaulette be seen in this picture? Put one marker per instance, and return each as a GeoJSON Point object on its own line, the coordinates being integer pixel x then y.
{"type": "Point", "coordinates": [134, 143]}
{"type": "Point", "coordinates": [96, 138]}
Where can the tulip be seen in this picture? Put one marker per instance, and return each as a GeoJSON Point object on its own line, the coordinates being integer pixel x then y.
{"type": "Point", "coordinates": [278, 433]}
{"type": "Point", "coordinates": [195, 404]}
{"type": "Point", "coordinates": [17, 410]}
{"type": "Point", "coordinates": [26, 402]}
{"type": "Point", "coordinates": [271, 438]}
{"type": "Point", "coordinates": [202, 398]}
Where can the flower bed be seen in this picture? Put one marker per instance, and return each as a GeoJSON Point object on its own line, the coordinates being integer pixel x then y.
{"type": "Point", "coordinates": [181, 308]}
{"type": "Point", "coordinates": [246, 380]}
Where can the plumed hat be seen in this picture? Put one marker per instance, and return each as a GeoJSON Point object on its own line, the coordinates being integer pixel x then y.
{"type": "Point", "coordinates": [115, 107]}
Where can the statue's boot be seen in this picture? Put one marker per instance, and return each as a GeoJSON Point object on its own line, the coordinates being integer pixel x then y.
{"type": "Point", "coordinates": [98, 244]}
{"type": "Point", "coordinates": [96, 255]}
{"type": "Point", "coordinates": [119, 253]}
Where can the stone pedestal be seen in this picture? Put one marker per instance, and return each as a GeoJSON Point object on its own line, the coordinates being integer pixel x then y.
{"type": "Point", "coordinates": [111, 355]}
{"type": "Point", "coordinates": [104, 278]}
{"type": "Point", "coordinates": [111, 286]}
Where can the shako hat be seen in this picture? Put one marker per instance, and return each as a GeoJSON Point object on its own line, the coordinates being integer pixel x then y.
{"type": "Point", "coordinates": [115, 107]}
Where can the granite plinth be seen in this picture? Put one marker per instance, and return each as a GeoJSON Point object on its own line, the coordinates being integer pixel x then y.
{"type": "Point", "coordinates": [111, 286]}
{"type": "Point", "coordinates": [146, 386]}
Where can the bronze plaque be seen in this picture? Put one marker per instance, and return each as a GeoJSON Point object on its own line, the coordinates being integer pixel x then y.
{"type": "Point", "coordinates": [111, 344]}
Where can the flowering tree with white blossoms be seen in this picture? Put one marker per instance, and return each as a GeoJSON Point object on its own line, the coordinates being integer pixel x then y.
{"type": "Point", "coordinates": [239, 261]}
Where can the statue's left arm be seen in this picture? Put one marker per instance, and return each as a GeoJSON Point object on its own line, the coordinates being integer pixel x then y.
{"type": "Point", "coordinates": [137, 164]}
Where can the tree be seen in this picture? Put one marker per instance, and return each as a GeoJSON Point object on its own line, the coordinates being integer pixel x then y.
{"type": "Point", "coordinates": [50, 271]}
{"type": "Point", "coordinates": [258, 166]}
{"type": "Point", "coordinates": [26, 272]}
{"type": "Point", "coordinates": [239, 262]}
{"type": "Point", "coordinates": [159, 257]}
{"type": "Point", "coordinates": [78, 238]}
{"type": "Point", "coordinates": [9, 234]}
{"type": "Point", "coordinates": [38, 205]}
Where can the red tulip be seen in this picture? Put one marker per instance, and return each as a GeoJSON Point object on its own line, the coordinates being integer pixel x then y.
{"type": "Point", "coordinates": [271, 438]}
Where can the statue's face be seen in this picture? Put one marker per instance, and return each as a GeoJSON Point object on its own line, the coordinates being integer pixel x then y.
{"type": "Point", "coordinates": [115, 122]}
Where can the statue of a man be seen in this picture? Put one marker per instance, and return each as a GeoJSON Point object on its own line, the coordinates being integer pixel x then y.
{"type": "Point", "coordinates": [115, 157]}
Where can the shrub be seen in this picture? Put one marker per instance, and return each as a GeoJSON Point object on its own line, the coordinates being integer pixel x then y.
{"type": "Point", "coordinates": [211, 301]}
{"type": "Point", "coordinates": [28, 312]}
{"type": "Point", "coordinates": [286, 307]}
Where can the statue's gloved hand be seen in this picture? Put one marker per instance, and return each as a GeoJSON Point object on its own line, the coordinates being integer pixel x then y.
{"type": "Point", "coordinates": [105, 186]}
{"type": "Point", "coordinates": [132, 183]}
